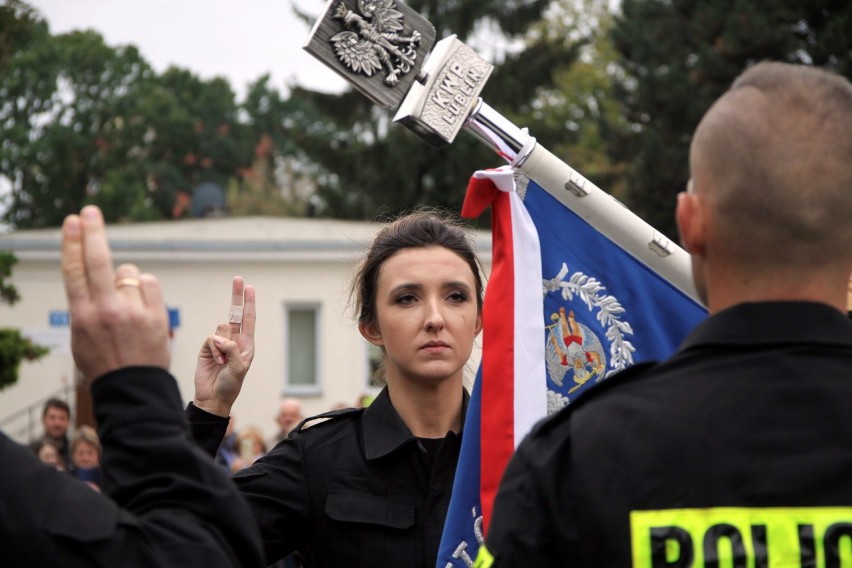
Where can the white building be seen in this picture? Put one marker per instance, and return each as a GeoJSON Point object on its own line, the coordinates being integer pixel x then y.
{"type": "Point", "coordinates": [307, 342]}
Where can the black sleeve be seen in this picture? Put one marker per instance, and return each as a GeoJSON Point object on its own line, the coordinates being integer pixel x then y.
{"type": "Point", "coordinates": [520, 532]}
{"type": "Point", "coordinates": [208, 430]}
{"type": "Point", "coordinates": [171, 505]}
{"type": "Point", "coordinates": [275, 486]}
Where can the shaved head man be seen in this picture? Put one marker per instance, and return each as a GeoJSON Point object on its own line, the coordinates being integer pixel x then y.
{"type": "Point", "coordinates": [768, 214]}
{"type": "Point", "coordinates": [736, 451]}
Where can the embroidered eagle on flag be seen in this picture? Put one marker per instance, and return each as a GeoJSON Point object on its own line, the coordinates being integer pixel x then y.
{"type": "Point", "coordinates": [375, 40]}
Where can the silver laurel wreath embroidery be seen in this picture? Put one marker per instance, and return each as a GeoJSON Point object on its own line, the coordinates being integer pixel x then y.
{"type": "Point", "coordinates": [589, 289]}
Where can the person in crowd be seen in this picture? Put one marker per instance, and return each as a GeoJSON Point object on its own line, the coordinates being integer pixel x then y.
{"type": "Point", "coordinates": [735, 451]}
{"type": "Point", "coordinates": [168, 504]}
{"type": "Point", "coordinates": [249, 446]}
{"type": "Point", "coordinates": [86, 456]}
{"type": "Point", "coordinates": [849, 299]}
{"type": "Point", "coordinates": [47, 452]}
{"type": "Point", "coordinates": [366, 487]}
{"type": "Point", "coordinates": [228, 450]}
{"type": "Point", "coordinates": [288, 417]}
{"type": "Point", "coordinates": [55, 419]}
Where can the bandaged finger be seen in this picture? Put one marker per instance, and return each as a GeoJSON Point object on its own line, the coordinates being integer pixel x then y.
{"type": "Point", "coordinates": [235, 314]}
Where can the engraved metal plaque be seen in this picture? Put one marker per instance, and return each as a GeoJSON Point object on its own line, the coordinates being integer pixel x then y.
{"type": "Point", "coordinates": [437, 109]}
{"type": "Point", "coordinates": [377, 45]}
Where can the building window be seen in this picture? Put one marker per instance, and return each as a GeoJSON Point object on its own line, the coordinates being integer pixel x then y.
{"type": "Point", "coordinates": [302, 348]}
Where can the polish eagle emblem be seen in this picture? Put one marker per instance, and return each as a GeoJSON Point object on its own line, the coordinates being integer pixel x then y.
{"type": "Point", "coordinates": [375, 40]}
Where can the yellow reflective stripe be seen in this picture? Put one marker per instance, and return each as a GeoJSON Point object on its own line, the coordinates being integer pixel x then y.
{"type": "Point", "coordinates": [484, 558]}
{"type": "Point", "coordinates": [769, 537]}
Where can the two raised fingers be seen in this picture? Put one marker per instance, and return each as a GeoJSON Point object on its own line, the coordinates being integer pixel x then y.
{"type": "Point", "coordinates": [87, 266]}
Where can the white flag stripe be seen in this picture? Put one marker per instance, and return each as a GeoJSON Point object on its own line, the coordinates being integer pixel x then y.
{"type": "Point", "coordinates": [530, 370]}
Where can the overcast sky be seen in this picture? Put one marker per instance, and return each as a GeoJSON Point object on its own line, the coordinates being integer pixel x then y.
{"type": "Point", "coordinates": [240, 40]}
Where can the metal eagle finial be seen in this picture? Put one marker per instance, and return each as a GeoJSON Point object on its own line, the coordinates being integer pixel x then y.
{"type": "Point", "coordinates": [374, 41]}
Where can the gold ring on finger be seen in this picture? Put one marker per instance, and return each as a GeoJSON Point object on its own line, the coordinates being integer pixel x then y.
{"type": "Point", "coordinates": [122, 282]}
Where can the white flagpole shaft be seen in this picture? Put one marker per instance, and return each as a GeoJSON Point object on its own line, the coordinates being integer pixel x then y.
{"type": "Point", "coordinates": [598, 208]}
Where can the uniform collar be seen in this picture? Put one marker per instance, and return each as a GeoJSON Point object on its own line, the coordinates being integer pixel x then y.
{"type": "Point", "coordinates": [384, 430]}
{"type": "Point", "coordinates": [763, 323]}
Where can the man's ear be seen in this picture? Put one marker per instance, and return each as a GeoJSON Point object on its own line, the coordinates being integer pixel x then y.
{"type": "Point", "coordinates": [371, 333]}
{"type": "Point", "coordinates": [690, 222]}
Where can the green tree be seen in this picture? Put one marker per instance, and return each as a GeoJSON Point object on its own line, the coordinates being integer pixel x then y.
{"type": "Point", "coordinates": [8, 293]}
{"type": "Point", "coordinates": [83, 122]}
{"type": "Point", "coordinates": [280, 181]}
{"type": "Point", "coordinates": [14, 347]}
{"type": "Point", "coordinates": [19, 26]}
{"type": "Point", "coordinates": [678, 56]}
{"type": "Point", "coordinates": [578, 117]}
{"type": "Point", "coordinates": [191, 133]}
{"type": "Point", "coordinates": [28, 74]}
{"type": "Point", "coordinates": [64, 138]}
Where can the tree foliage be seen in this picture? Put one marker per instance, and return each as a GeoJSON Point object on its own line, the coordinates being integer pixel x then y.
{"type": "Point", "coordinates": [83, 122]}
{"type": "Point", "coordinates": [8, 293]}
{"type": "Point", "coordinates": [19, 26]}
{"type": "Point", "coordinates": [279, 181]}
{"type": "Point", "coordinates": [14, 347]}
{"type": "Point", "coordinates": [678, 56]}
{"type": "Point", "coordinates": [578, 117]}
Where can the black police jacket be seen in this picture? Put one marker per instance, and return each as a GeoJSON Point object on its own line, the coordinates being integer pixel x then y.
{"type": "Point", "coordinates": [737, 451]}
{"type": "Point", "coordinates": [357, 490]}
{"type": "Point", "coordinates": [168, 504]}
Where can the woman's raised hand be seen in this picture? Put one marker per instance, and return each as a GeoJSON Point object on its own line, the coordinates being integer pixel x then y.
{"type": "Point", "coordinates": [225, 357]}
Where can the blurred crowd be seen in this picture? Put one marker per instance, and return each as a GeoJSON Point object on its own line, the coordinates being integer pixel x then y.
{"type": "Point", "coordinates": [241, 447]}
{"type": "Point", "coordinates": [79, 453]}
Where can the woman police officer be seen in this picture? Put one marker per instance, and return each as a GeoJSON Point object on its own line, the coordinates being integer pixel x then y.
{"type": "Point", "coordinates": [368, 487]}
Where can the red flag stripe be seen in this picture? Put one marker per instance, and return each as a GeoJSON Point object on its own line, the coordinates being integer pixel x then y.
{"type": "Point", "coordinates": [498, 358]}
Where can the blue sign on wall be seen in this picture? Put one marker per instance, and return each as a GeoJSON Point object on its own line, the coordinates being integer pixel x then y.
{"type": "Point", "coordinates": [58, 318]}
{"type": "Point", "coordinates": [174, 318]}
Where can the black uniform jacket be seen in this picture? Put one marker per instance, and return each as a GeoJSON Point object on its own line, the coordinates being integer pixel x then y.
{"type": "Point", "coordinates": [740, 445]}
{"type": "Point", "coordinates": [171, 505]}
{"type": "Point", "coordinates": [356, 490]}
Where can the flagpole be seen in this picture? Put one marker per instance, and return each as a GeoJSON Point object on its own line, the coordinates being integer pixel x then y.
{"type": "Point", "coordinates": [598, 208]}
{"type": "Point", "coordinates": [437, 94]}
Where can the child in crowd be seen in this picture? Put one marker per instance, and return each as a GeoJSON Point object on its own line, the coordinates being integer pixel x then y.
{"type": "Point", "coordinates": [86, 456]}
{"type": "Point", "coordinates": [249, 446]}
{"type": "Point", "coordinates": [49, 453]}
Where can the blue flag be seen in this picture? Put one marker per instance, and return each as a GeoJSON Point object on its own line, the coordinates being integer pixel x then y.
{"type": "Point", "coordinates": [565, 308]}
